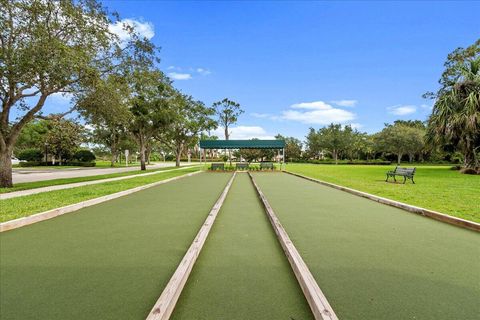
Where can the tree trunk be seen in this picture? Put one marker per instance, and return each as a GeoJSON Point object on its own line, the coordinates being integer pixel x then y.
{"type": "Point", "coordinates": [143, 167]}
{"type": "Point", "coordinates": [114, 156]}
{"type": "Point", "coordinates": [148, 152]}
{"type": "Point", "coordinates": [113, 150]}
{"type": "Point", "coordinates": [178, 154]}
{"type": "Point", "coordinates": [7, 147]}
{"type": "Point", "coordinates": [5, 168]}
{"type": "Point", "coordinates": [469, 159]}
{"type": "Point", "coordinates": [335, 155]}
{"type": "Point", "coordinates": [410, 157]}
{"type": "Point", "coordinates": [399, 158]}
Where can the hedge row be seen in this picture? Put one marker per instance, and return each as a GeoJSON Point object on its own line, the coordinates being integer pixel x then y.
{"type": "Point", "coordinates": [70, 163]}
{"type": "Point", "coordinates": [329, 161]}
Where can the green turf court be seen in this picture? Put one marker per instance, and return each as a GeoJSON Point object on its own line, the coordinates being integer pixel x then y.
{"type": "Point", "coordinates": [114, 259]}
{"type": "Point", "coordinates": [373, 261]}
{"type": "Point", "coordinates": [109, 261]}
{"type": "Point", "coordinates": [242, 272]}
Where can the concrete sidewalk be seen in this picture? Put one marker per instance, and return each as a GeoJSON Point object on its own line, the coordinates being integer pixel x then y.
{"type": "Point", "coordinates": [21, 175]}
{"type": "Point", "coordinates": [21, 193]}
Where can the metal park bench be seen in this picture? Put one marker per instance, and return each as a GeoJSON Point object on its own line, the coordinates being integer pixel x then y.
{"type": "Point", "coordinates": [217, 166]}
{"type": "Point", "coordinates": [406, 173]}
{"type": "Point", "coordinates": [241, 165]}
{"type": "Point", "coordinates": [266, 165]}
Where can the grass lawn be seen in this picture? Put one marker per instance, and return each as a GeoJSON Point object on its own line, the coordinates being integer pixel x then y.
{"type": "Point", "coordinates": [54, 182]}
{"type": "Point", "coordinates": [437, 187]}
{"type": "Point", "coordinates": [27, 205]}
{"type": "Point", "coordinates": [242, 272]}
{"type": "Point", "coordinates": [374, 261]}
{"type": "Point", "coordinates": [108, 261]}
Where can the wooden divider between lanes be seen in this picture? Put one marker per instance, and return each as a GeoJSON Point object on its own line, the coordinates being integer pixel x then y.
{"type": "Point", "coordinates": [318, 302]}
{"type": "Point", "coordinates": [165, 304]}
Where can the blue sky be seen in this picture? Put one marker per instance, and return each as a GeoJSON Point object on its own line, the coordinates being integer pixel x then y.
{"type": "Point", "coordinates": [293, 65]}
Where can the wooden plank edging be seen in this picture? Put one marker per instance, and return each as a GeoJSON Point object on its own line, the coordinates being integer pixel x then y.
{"type": "Point", "coordinates": [25, 221]}
{"type": "Point", "coordinates": [318, 302]}
{"type": "Point", "coordinates": [459, 222]}
{"type": "Point", "coordinates": [165, 304]}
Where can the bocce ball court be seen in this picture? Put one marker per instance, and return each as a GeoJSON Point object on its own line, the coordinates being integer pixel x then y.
{"type": "Point", "coordinates": [115, 259]}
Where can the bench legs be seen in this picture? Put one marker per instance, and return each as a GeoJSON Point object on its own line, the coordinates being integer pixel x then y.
{"type": "Point", "coordinates": [390, 175]}
{"type": "Point", "coordinates": [404, 178]}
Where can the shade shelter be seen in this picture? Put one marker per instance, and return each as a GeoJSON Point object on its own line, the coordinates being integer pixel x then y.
{"type": "Point", "coordinates": [242, 144]}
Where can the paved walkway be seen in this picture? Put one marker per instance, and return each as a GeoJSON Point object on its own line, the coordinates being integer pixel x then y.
{"type": "Point", "coordinates": [21, 175]}
{"type": "Point", "coordinates": [21, 193]}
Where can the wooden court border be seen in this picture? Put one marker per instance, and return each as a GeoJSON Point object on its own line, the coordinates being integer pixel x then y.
{"type": "Point", "coordinates": [317, 301]}
{"type": "Point", "coordinates": [25, 221]}
{"type": "Point", "coordinates": [165, 304]}
{"type": "Point", "coordinates": [459, 222]}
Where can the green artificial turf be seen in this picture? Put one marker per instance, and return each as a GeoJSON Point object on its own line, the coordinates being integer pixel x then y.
{"type": "Point", "coordinates": [109, 261]}
{"type": "Point", "coordinates": [374, 261]}
{"type": "Point", "coordinates": [55, 182]}
{"type": "Point", "coordinates": [437, 187]}
{"type": "Point", "coordinates": [27, 205]}
{"type": "Point", "coordinates": [242, 272]}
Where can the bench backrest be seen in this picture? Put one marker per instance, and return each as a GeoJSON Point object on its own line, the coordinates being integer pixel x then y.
{"type": "Point", "coordinates": [216, 166]}
{"type": "Point", "coordinates": [268, 165]}
{"type": "Point", "coordinates": [242, 165]}
{"type": "Point", "coordinates": [407, 171]}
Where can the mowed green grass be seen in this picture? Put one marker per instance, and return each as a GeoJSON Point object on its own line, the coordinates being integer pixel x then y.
{"type": "Point", "coordinates": [436, 187]}
{"type": "Point", "coordinates": [27, 205]}
{"type": "Point", "coordinates": [55, 182]}
{"type": "Point", "coordinates": [242, 272]}
{"type": "Point", "coordinates": [374, 261]}
{"type": "Point", "coordinates": [108, 261]}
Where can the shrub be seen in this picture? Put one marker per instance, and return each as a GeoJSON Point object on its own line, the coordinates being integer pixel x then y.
{"type": "Point", "coordinates": [84, 156]}
{"type": "Point", "coordinates": [81, 164]}
{"type": "Point", "coordinates": [468, 171]}
{"type": "Point", "coordinates": [31, 155]}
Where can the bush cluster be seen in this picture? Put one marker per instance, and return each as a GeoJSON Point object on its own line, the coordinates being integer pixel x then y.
{"type": "Point", "coordinates": [84, 156]}
{"type": "Point", "coordinates": [31, 155]}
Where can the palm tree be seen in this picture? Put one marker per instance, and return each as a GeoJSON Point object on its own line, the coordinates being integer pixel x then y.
{"type": "Point", "coordinates": [455, 117]}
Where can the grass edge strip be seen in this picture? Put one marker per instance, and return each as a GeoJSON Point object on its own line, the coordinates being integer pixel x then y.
{"type": "Point", "coordinates": [442, 217]}
{"type": "Point", "coordinates": [27, 192]}
{"type": "Point", "coordinates": [321, 308]}
{"type": "Point", "coordinates": [164, 306]}
{"type": "Point", "coordinates": [38, 217]}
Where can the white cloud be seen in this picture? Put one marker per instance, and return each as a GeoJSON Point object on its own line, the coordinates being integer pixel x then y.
{"type": "Point", "coordinates": [244, 133]}
{"type": "Point", "coordinates": [264, 116]}
{"type": "Point", "coordinates": [260, 115]}
{"type": "Point", "coordinates": [318, 112]}
{"type": "Point", "coordinates": [61, 97]}
{"type": "Point", "coordinates": [144, 29]}
{"type": "Point", "coordinates": [345, 103]}
{"type": "Point", "coordinates": [402, 110]}
{"type": "Point", "coordinates": [171, 68]}
{"type": "Point", "coordinates": [316, 105]}
{"type": "Point", "coordinates": [426, 106]}
{"type": "Point", "coordinates": [357, 126]}
{"type": "Point", "coordinates": [203, 71]}
{"type": "Point", "coordinates": [180, 76]}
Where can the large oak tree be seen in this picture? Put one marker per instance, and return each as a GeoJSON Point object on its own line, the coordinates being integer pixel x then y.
{"type": "Point", "coordinates": [46, 47]}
